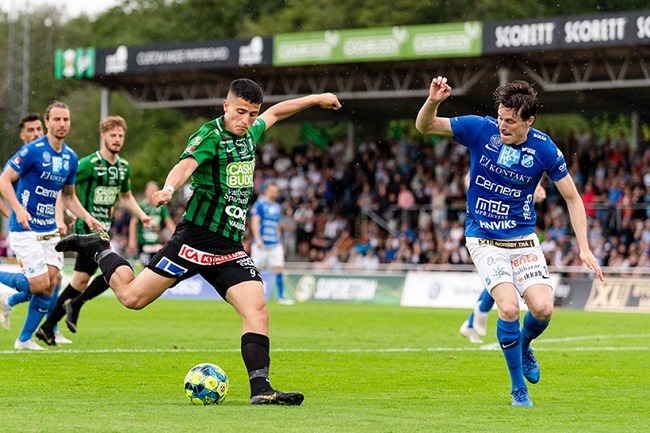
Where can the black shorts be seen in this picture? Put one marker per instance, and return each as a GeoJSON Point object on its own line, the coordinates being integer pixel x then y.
{"type": "Point", "coordinates": [194, 250]}
{"type": "Point", "coordinates": [85, 263]}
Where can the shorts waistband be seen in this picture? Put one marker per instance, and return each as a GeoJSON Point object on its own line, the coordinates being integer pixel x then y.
{"type": "Point", "coordinates": [48, 236]}
{"type": "Point", "coordinates": [525, 243]}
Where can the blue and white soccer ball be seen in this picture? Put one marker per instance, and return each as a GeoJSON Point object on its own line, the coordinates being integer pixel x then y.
{"type": "Point", "coordinates": [206, 384]}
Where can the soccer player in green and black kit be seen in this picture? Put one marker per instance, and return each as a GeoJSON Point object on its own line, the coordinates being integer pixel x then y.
{"type": "Point", "coordinates": [102, 178]}
{"type": "Point", "coordinates": [220, 158]}
{"type": "Point", "coordinates": [147, 241]}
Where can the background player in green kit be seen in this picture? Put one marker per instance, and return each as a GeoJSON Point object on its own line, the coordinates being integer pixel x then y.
{"type": "Point", "coordinates": [147, 241]}
{"type": "Point", "coordinates": [220, 158]}
{"type": "Point", "coordinates": [102, 178]}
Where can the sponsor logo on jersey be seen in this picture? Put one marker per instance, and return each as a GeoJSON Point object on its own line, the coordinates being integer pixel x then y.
{"type": "Point", "coordinates": [495, 143]}
{"type": "Point", "coordinates": [494, 207]}
{"type": "Point", "coordinates": [508, 156]}
{"type": "Point", "coordinates": [498, 225]}
{"type": "Point", "coordinates": [202, 258]}
{"type": "Point", "coordinates": [236, 212]}
{"type": "Point", "coordinates": [105, 195]}
{"type": "Point", "coordinates": [527, 161]}
{"type": "Point", "coordinates": [483, 182]}
{"type": "Point", "coordinates": [240, 174]}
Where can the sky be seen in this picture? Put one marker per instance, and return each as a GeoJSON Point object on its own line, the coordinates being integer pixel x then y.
{"type": "Point", "coordinates": [73, 8]}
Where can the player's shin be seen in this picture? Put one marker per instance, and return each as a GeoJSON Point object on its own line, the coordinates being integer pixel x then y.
{"type": "Point", "coordinates": [508, 335]}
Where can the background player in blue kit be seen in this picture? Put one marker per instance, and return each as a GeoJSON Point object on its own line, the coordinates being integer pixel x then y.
{"type": "Point", "coordinates": [42, 168]}
{"type": "Point", "coordinates": [507, 160]}
{"type": "Point", "coordinates": [31, 128]}
{"type": "Point", "coordinates": [266, 250]}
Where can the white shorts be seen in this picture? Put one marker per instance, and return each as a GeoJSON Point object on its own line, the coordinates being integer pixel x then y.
{"type": "Point", "coordinates": [35, 251]}
{"type": "Point", "coordinates": [267, 257]}
{"type": "Point", "coordinates": [519, 261]}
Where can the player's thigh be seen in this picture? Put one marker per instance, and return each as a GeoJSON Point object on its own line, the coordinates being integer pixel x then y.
{"type": "Point", "coordinates": [492, 263]}
{"type": "Point", "coordinates": [248, 300]}
{"type": "Point", "coordinates": [539, 299]}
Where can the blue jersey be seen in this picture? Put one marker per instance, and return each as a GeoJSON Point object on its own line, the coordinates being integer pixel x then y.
{"type": "Point", "coordinates": [503, 178]}
{"type": "Point", "coordinates": [269, 213]}
{"type": "Point", "coordinates": [43, 172]}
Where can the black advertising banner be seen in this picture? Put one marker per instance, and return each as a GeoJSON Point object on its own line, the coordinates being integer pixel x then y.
{"type": "Point", "coordinates": [161, 58]}
{"type": "Point", "coordinates": [567, 33]}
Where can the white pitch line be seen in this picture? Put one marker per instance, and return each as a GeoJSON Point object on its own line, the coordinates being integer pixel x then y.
{"type": "Point", "coordinates": [484, 347]}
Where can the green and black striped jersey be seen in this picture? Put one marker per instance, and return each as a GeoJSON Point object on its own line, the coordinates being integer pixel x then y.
{"type": "Point", "coordinates": [99, 184]}
{"type": "Point", "coordinates": [222, 184]}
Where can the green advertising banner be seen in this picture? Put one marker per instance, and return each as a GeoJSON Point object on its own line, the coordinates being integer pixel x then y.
{"type": "Point", "coordinates": [377, 44]}
{"type": "Point", "coordinates": [74, 63]}
{"type": "Point", "coordinates": [376, 289]}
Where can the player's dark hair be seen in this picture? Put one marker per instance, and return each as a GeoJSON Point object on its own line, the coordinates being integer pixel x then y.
{"type": "Point", "coordinates": [247, 89]}
{"type": "Point", "coordinates": [518, 95]}
{"type": "Point", "coordinates": [29, 117]}
{"type": "Point", "coordinates": [55, 104]}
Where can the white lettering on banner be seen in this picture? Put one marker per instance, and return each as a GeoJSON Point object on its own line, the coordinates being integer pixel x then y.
{"type": "Point", "coordinates": [202, 258]}
{"type": "Point", "coordinates": [525, 35]}
{"type": "Point", "coordinates": [346, 289]}
{"type": "Point", "coordinates": [602, 30]}
{"type": "Point", "coordinates": [180, 56]}
{"type": "Point", "coordinates": [118, 62]}
{"type": "Point", "coordinates": [643, 27]}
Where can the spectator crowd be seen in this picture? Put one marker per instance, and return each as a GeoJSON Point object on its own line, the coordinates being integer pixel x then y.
{"type": "Point", "coordinates": [402, 201]}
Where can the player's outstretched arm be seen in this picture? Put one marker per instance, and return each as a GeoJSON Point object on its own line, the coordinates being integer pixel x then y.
{"type": "Point", "coordinates": [284, 109]}
{"type": "Point", "coordinates": [175, 179]}
{"type": "Point", "coordinates": [427, 121]}
{"type": "Point", "coordinates": [578, 218]}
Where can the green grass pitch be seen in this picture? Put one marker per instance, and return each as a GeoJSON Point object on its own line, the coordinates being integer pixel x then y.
{"type": "Point", "coordinates": [362, 368]}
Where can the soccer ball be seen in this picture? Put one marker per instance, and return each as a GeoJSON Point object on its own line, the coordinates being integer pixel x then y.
{"type": "Point", "coordinates": [206, 384]}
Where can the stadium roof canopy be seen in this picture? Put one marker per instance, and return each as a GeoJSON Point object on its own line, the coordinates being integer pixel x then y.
{"type": "Point", "coordinates": [587, 64]}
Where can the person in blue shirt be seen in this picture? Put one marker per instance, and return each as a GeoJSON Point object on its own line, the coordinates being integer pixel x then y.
{"type": "Point", "coordinates": [42, 168]}
{"type": "Point", "coordinates": [266, 249]}
{"type": "Point", "coordinates": [31, 128]}
{"type": "Point", "coordinates": [507, 160]}
{"type": "Point", "coordinates": [475, 326]}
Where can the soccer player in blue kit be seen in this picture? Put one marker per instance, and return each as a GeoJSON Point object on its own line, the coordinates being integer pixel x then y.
{"type": "Point", "coordinates": [42, 168]}
{"type": "Point", "coordinates": [266, 249]}
{"type": "Point", "coordinates": [507, 160]}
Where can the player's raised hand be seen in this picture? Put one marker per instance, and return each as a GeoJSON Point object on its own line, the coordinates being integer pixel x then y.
{"type": "Point", "coordinates": [439, 89]}
{"type": "Point", "coordinates": [161, 197]}
{"type": "Point", "coordinates": [329, 101]}
{"type": "Point", "coordinates": [591, 262]}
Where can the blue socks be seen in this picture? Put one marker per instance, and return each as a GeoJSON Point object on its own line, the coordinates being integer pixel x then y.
{"type": "Point", "coordinates": [37, 308]}
{"type": "Point", "coordinates": [16, 280]}
{"type": "Point", "coordinates": [50, 308]}
{"type": "Point", "coordinates": [279, 282]}
{"type": "Point", "coordinates": [509, 338]}
{"type": "Point", "coordinates": [531, 329]}
{"type": "Point", "coordinates": [486, 301]}
{"type": "Point", "coordinates": [18, 298]}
